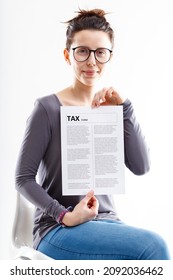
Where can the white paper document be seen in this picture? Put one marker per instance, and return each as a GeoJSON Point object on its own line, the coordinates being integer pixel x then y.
{"type": "Point", "coordinates": [92, 147]}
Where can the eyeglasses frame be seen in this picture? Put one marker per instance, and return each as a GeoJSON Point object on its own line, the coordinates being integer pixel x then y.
{"type": "Point", "coordinates": [90, 51]}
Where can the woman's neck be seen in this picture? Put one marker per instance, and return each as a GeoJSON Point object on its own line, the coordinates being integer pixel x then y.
{"type": "Point", "coordinates": [82, 94]}
{"type": "Point", "coordinates": [77, 95]}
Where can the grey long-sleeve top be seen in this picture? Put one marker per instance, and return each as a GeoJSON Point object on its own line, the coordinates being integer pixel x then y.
{"type": "Point", "coordinates": [41, 152]}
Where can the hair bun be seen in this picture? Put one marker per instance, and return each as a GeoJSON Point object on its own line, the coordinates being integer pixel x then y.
{"type": "Point", "coordinates": [96, 12]}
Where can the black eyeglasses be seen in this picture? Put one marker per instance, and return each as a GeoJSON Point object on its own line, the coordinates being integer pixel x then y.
{"type": "Point", "coordinates": [81, 54]}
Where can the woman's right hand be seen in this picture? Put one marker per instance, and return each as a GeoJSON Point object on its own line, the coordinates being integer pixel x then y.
{"type": "Point", "coordinates": [84, 211]}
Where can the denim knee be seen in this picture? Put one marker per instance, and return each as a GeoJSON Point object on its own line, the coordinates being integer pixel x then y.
{"type": "Point", "coordinates": [156, 248]}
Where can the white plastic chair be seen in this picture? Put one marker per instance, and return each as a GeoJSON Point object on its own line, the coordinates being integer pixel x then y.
{"type": "Point", "coordinates": [22, 231]}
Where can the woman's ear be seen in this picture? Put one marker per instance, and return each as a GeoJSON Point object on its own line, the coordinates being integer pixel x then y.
{"type": "Point", "coordinates": [67, 56]}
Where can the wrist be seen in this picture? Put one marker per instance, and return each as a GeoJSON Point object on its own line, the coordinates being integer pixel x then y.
{"type": "Point", "coordinates": [61, 216]}
{"type": "Point", "coordinates": [121, 100]}
{"type": "Point", "coordinates": [69, 219]}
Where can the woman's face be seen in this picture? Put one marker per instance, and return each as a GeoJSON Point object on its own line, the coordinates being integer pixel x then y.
{"type": "Point", "coordinates": [88, 72]}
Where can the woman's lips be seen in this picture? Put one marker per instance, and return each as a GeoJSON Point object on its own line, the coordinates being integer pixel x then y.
{"type": "Point", "coordinates": [90, 73]}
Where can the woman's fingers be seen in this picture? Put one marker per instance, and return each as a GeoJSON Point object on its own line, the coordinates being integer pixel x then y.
{"type": "Point", "coordinates": [107, 96]}
{"type": "Point", "coordinates": [99, 97]}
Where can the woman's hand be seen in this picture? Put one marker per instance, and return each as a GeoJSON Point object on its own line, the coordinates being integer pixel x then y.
{"type": "Point", "coordinates": [106, 97]}
{"type": "Point", "coordinates": [84, 211]}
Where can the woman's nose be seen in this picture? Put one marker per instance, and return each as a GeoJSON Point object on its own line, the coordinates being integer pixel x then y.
{"type": "Point", "coordinates": [91, 59]}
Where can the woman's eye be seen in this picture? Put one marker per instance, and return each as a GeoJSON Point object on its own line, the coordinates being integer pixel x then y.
{"type": "Point", "coordinates": [101, 53]}
{"type": "Point", "coordinates": [82, 51]}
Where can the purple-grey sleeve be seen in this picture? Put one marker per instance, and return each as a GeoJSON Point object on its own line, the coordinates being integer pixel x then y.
{"type": "Point", "coordinates": [35, 142]}
{"type": "Point", "coordinates": [135, 147]}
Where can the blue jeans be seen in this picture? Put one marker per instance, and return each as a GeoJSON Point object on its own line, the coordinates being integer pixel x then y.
{"type": "Point", "coordinates": [103, 240]}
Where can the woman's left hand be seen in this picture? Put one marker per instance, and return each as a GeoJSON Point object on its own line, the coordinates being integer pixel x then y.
{"type": "Point", "coordinates": [107, 97]}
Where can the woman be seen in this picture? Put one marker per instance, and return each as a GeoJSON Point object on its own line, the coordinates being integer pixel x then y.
{"type": "Point", "coordinates": [76, 227]}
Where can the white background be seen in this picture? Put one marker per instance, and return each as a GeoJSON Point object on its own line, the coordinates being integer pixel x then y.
{"type": "Point", "coordinates": [32, 39]}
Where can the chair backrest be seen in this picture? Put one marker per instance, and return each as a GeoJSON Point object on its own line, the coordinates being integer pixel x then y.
{"type": "Point", "coordinates": [23, 222]}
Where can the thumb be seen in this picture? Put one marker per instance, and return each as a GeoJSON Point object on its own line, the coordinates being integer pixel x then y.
{"type": "Point", "coordinates": [89, 195]}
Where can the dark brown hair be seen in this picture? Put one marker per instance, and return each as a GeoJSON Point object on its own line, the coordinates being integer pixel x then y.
{"type": "Point", "coordinates": [88, 20]}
